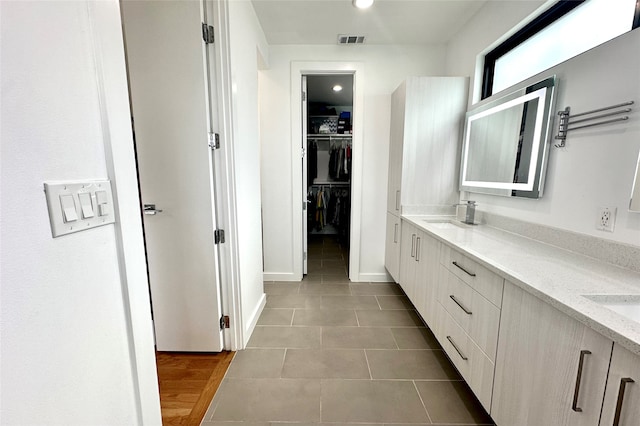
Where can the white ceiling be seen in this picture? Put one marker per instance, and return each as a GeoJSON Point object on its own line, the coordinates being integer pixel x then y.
{"type": "Point", "coordinates": [320, 89]}
{"type": "Point", "coordinates": [386, 22]}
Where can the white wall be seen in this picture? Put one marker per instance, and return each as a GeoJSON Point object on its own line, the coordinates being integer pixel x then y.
{"type": "Point", "coordinates": [247, 42]}
{"type": "Point", "coordinates": [67, 353]}
{"type": "Point", "coordinates": [597, 166]}
{"type": "Point", "coordinates": [489, 24]}
{"type": "Point", "coordinates": [384, 69]}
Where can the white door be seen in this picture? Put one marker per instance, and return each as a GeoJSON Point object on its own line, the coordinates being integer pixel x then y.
{"type": "Point", "coordinates": [305, 178]}
{"type": "Point", "coordinates": [167, 67]}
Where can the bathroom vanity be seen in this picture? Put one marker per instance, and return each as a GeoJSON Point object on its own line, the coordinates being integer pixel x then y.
{"type": "Point", "coordinates": [542, 335]}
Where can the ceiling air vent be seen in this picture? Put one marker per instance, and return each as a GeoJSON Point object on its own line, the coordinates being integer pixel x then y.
{"type": "Point", "coordinates": [350, 39]}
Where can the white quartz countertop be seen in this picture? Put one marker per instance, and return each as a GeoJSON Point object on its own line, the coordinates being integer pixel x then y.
{"type": "Point", "coordinates": [557, 276]}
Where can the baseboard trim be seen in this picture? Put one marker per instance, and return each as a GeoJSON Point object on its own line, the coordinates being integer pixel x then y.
{"type": "Point", "coordinates": [254, 320]}
{"type": "Point", "coordinates": [279, 276]}
{"type": "Point", "coordinates": [376, 278]}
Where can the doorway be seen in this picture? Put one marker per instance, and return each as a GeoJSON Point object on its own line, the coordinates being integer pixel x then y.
{"type": "Point", "coordinates": [299, 71]}
{"type": "Point", "coordinates": [327, 170]}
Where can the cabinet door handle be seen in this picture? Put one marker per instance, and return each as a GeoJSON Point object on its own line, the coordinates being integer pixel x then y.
{"type": "Point", "coordinates": [418, 249]}
{"type": "Point", "coordinates": [397, 200]}
{"type": "Point", "coordinates": [395, 233]}
{"type": "Point", "coordinates": [623, 384]}
{"type": "Point", "coordinates": [471, 274]}
{"type": "Point", "coordinates": [466, 311]}
{"type": "Point", "coordinates": [574, 406]}
{"type": "Point", "coordinates": [413, 245]}
{"type": "Point", "coordinates": [456, 348]}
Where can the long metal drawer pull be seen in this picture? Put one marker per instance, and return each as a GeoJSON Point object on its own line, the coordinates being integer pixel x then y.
{"type": "Point", "coordinates": [466, 311]}
{"type": "Point", "coordinates": [418, 249]}
{"type": "Point", "coordinates": [395, 233]}
{"type": "Point", "coordinates": [456, 348]}
{"type": "Point", "coordinates": [465, 271]}
{"type": "Point", "coordinates": [574, 406]}
{"type": "Point", "coordinates": [623, 384]}
{"type": "Point", "coordinates": [413, 245]}
{"type": "Point", "coordinates": [398, 200]}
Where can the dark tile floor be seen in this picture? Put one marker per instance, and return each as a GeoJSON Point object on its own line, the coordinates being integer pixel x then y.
{"type": "Point", "coordinates": [330, 351]}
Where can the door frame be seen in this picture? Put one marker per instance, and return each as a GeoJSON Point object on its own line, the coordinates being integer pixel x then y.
{"type": "Point", "coordinates": [112, 85]}
{"type": "Point", "coordinates": [298, 69]}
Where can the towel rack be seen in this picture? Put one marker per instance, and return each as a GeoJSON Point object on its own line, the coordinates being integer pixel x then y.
{"type": "Point", "coordinates": [566, 119]}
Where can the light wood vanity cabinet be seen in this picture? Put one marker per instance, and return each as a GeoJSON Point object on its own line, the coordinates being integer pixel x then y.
{"type": "Point", "coordinates": [392, 252]}
{"type": "Point", "coordinates": [424, 144]}
{"type": "Point", "coordinates": [408, 262]}
{"type": "Point", "coordinates": [622, 396]}
{"type": "Point", "coordinates": [528, 363]}
{"type": "Point", "coordinates": [468, 317]}
{"type": "Point", "coordinates": [419, 269]}
{"type": "Point", "coordinates": [550, 368]}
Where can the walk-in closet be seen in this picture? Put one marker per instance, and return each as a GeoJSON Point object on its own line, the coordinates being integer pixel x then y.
{"type": "Point", "coordinates": [328, 116]}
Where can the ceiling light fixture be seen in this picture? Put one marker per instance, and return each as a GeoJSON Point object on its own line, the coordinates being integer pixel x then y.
{"type": "Point", "coordinates": [337, 88]}
{"type": "Point", "coordinates": [362, 4]}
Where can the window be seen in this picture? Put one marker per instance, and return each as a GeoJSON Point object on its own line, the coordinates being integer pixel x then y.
{"type": "Point", "coordinates": [565, 30]}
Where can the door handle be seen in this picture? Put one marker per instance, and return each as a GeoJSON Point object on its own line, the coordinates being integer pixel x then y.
{"type": "Point", "coordinates": [413, 245]}
{"type": "Point", "coordinates": [150, 209]}
{"type": "Point", "coordinates": [471, 274]}
{"type": "Point", "coordinates": [574, 406]}
{"type": "Point", "coordinates": [466, 311]}
{"type": "Point", "coordinates": [395, 233]}
{"type": "Point", "coordinates": [464, 358]}
{"type": "Point", "coordinates": [623, 384]}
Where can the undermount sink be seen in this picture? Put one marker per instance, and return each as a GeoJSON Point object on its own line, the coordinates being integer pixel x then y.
{"type": "Point", "coordinates": [625, 305]}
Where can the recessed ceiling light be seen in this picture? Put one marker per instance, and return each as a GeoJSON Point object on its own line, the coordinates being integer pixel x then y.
{"type": "Point", "coordinates": [362, 4]}
{"type": "Point", "coordinates": [337, 88]}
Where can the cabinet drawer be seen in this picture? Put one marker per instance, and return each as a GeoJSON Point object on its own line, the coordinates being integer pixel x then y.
{"type": "Point", "coordinates": [478, 317]}
{"type": "Point", "coordinates": [477, 276]}
{"type": "Point", "coordinates": [471, 362]}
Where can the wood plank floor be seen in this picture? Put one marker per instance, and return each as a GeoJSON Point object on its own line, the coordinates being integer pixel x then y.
{"type": "Point", "coordinates": [188, 382]}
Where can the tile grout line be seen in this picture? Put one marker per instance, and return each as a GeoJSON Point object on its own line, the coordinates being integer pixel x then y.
{"type": "Point", "coordinates": [378, 302]}
{"type": "Point", "coordinates": [368, 365]}
{"type": "Point", "coordinates": [422, 401]}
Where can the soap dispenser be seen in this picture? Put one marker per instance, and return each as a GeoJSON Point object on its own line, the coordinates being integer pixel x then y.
{"type": "Point", "coordinates": [470, 213]}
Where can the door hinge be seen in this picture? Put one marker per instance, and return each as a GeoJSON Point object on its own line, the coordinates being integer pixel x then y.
{"type": "Point", "coordinates": [304, 152]}
{"type": "Point", "coordinates": [304, 256]}
{"type": "Point", "coordinates": [214, 140]}
{"type": "Point", "coordinates": [304, 96]}
{"type": "Point", "coordinates": [207, 33]}
{"type": "Point", "coordinates": [224, 322]}
{"type": "Point", "coordinates": [304, 205]}
{"type": "Point", "coordinates": [218, 236]}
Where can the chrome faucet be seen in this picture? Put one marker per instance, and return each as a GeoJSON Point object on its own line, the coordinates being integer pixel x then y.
{"type": "Point", "coordinates": [471, 211]}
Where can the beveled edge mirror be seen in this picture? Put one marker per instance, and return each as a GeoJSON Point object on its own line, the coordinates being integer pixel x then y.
{"type": "Point", "coordinates": [529, 132]}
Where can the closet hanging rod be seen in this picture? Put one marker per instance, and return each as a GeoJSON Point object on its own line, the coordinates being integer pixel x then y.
{"type": "Point", "coordinates": [336, 136]}
{"type": "Point", "coordinates": [331, 184]}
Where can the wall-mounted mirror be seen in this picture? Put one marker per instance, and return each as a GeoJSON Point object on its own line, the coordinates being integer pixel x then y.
{"type": "Point", "coordinates": [634, 204]}
{"type": "Point", "coordinates": [506, 142]}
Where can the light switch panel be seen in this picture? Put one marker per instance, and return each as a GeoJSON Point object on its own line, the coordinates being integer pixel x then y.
{"type": "Point", "coordinates": [78, 206]}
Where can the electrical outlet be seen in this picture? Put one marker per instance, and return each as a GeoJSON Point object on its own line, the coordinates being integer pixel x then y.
{"type": "Point", "coordinates": [606, 219]}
